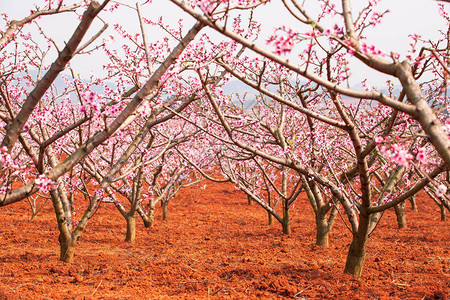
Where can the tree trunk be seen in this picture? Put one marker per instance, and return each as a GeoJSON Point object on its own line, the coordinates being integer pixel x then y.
{"type": "Point", "coordinates": [413, 202]}
{"type": "Point", "coordinates": [151, 214]}
{"type": "Point", "coordinates": [164, 211]}
{"type": "Point", "coordinates": [249, 200]}
{"type": "Point", "coordinates": [286, 227]}
{"type": "Point", "coordinates": [357, 252]}
{"type": "Point", "coordinates": [401, 217]}
{"type": "Point", "coordinates": [269, 214]}
{"type": "Point", "coordinates": [442, 212]}
{"type": "Point", "coordinates": [66, 249]}
{"type": "Point", "coordinates": [66, 240]}
{"type": "Point", "coordinates": [131, 228]}
{"type": "Point", "coordinates": [286, 220]}
{"type": "Point", "coordinates": [321, 231]}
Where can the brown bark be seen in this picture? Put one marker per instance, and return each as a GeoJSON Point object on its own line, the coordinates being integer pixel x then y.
{"type": "Point", "coordinates": [270, 218]}
{"type": "Point", "coordinates": [66, 249]}
{"type": "Point", "coordinates": [400, 213]}
{"type": "Point", "coordinates": [413, 202]}
{"type": "Point", "coordinates": [66, 239]}
{"type": "Point", "coordinates": [164, 211]}
{"type": "Point", "coordinates": [131, 228]}
{"type": "Point", "coordinates": [357, 251]}
{"type": "Point", "coordinates": [151, 214]}
{"type": "Point", "coordinates": [322, 231]}
{"type": "Point", "coordinates": [320, 208]}
{"type": "Point", "coordinates": [286, 219]}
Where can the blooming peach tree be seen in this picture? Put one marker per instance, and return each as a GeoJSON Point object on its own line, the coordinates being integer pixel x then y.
{"type": "Point", "coordinates": [377, 140]}
{"type": "Point", "coordinates": [356, 152]}
{"type": "Point", "coordinates": [49, 134]}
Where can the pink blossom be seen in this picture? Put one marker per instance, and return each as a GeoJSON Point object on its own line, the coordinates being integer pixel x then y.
{"type": "Point", "coordinates": [45, 184]}
{"type": "Point", "coordinates": [397, 154]}
{"type": "Point", "coordinates": [338, 30]}
{"type": "Point", "coordinates": [378, 139]}
{"type": "Point", "coordinates": [446, 126]}
{"type": "Point", "coordinates": [442, 189]}
{"type": "Point", "coordinates": [395, 55]}
{"type": "Point", "coordinates": [146, 108]}
{"type": "Point", "coordinates": [422, 156]}
{"type": "Point", "coordinates": [283, 44]}
{"type": "Point", "coordinates": [401, 156]}
{"type": "Point", "coordinates": [371, 49]}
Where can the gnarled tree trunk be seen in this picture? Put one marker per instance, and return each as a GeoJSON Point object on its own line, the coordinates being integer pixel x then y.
{"type": "Point", "coordinates": [164, 210]}
{"type": "Point", "coordinates": [322, 231]}
{"type": "Point", "coordinates": [66, 249]}
{"type": "Point", "coordinates": [249, 200]}
{"type": "Point", "coordinates": [413, 202]}
{"type": "Point", "coordinates": [400, 212]}
{"type": "Point", "coordinates": [270, 217]}
{"type": "Point", "coordinates": [131, 228]}
{"type": "Point", "coordinates": [357, 252]}
{"type": "Point", "coordinates": [286, 219]}
{"type": "Point", "coordinates": [151, 214]}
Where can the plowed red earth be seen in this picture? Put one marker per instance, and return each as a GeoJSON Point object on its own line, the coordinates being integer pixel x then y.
{"type": "Point", "coordinates": [215, 246]}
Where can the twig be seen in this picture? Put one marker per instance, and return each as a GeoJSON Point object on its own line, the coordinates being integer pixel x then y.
{"type": "Point", "coordinates": [97, 288]}
{"type": "Point", "coordinates": [297, 295]}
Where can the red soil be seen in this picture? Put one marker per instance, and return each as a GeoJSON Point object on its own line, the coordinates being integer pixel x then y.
{"type": "Point", "coordinates": [215, 246]}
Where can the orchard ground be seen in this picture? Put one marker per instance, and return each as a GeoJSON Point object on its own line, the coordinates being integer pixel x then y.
{"type": "Point", "coordinates": [215, 246]}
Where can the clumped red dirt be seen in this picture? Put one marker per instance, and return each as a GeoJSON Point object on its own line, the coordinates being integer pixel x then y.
{"type": "Point", "coordinates": [216, 246]}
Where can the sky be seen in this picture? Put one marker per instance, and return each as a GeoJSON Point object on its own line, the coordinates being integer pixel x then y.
{"type": "Point", "coordinates": [405, 17]}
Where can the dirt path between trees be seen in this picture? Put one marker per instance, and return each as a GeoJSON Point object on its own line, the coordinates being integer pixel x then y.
{"type": "Point", "coordinates": [216, 246]}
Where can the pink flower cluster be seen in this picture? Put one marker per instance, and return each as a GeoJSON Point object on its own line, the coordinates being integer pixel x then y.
{"type": "Point", "coordinates": [336, 30]}
{"type": "Point", "coordinates": [446, 126]}
{"type": "Point", "coordinates": [422, 156]}
{"type": "Point", "coordinates": [90, 103]}
{"type": "Point", "coordinates": [328, 8]}
{"type": "Point", "coordinates": [5, 158]}
{"type": "Point", "coordinates": [45, 184]}
{"type": "Point", "coordinates": [283, 43]}
{"type": "Point", "coordinates": [441, 190]}
{"type": "Point", "coordinates": [371, 49]}
{"type": "Point", "coordinates": [397, 154]}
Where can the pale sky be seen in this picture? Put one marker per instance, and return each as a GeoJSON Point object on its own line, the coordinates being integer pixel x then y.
{"type": "Point", "coordinates": [406, 17]}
